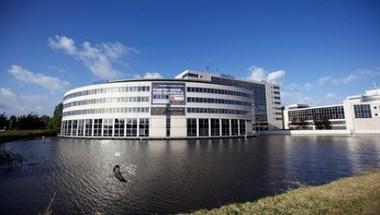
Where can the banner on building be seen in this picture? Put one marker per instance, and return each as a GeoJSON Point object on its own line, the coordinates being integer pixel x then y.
{"type": "Point", "coordinates": [168, 93]}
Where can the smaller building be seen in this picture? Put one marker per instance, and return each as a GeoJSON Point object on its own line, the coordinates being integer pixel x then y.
{"type": "Point", "coordinates": [359, 114]}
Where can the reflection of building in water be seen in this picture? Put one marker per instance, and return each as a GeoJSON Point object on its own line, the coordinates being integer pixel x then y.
{"type": "Point", "coordinates": [359, 114]}
{"type": "Point", "coordinates": [193, 104]}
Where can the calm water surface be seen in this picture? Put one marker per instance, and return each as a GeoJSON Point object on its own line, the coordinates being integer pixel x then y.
{"type": "Point", "coordinates": [173, 176]}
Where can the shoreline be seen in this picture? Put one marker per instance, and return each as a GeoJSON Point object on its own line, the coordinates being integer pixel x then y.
{"type": "Point", "coordinates": [10, 135]}
{"type": "Point", "coordinates": [359, 194]}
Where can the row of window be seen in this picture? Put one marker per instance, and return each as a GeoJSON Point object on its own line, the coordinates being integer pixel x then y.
{"type": "Point", "coordinates": [217, 91]}
{"type": "Point", "coordinates": [106, 127]}
{"type": "Point", "coordinates": [107, 100]}
{"type": "Point", "coordinates": [107, 110]}
{"type": "Point", "coordinates": [108, 90]}
{"type": "Point", "coordinates": [204, 127]}
{"type": "Point", "coordinates": [363, 111]}
{"type": "Point", "coordinates": [216, 111]}
{"type": "Point", "coordinates": [217, 101]}
{"type": "Point", "coordinates": [335, 112]}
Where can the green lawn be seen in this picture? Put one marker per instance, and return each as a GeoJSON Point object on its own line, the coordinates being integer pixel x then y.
{"type": "Point", "coordinates": [21, 134]}
{"type": "Point", "coordinates": [351, 195]}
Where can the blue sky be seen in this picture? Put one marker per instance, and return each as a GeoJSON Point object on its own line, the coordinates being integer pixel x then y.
{"type": "Point", "coordinates": [319, 51]}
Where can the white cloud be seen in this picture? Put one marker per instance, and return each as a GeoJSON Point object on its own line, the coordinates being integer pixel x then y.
{"type": "Point", "coordinates": [308, 86]}
{"type": "Point", "coordinates": [149, 75]}
{"type": "Point", "coordinates": [358, 75]}
{"type": "Point", "coordinates": [152, 75]}
{"type": "Point", "coordinates": [259, 74]}
{"type": "Point", "coordinates": [330, 96]}
{"type": "Point", "coordinates": [276, 77]}
{"type": "Point", "coordinates": [9, 101]}
{"type": "Point", "coordinates": [97, 58]}
{"type": "Point", "coordinates": [324, 80]}
{"type": "Point", "coordinates": [14, 103]}
{"type": "Point", "coordinates": [299, 88]}
{"type": "Point", "coordinates": [346, 80]}
{"type": "Point", "coordinates": [48, 82]}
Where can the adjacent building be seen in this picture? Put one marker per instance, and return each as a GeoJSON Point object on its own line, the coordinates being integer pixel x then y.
{"type": "Point", "coordinates": [359, 114]}
{"type": "Point", "coordinates": [193, 104]}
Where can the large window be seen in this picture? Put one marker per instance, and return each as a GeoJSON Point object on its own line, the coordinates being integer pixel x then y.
{"type": "Point", "coordinates": [69, 126]}
{"type": "Point", "coordinates": [97, 127]}
{"type": "Point", "coordinates": [88, 127]}
{"type": "Point", "coordinates": [192, 127]}
{"type": "Point", "coordinates": [225, 127]}
{"type": "Point", "coordinates": [144, 127]}
{"type": "Point", "coordinates": [332, 112]}
{"type": "Point", "coordinates": [119, 127]}
{"type": "Point", "coordinates": [203, 127]}
{"type": "Point", "coordinates": [108, 90]}
{"type": "Point", "coordinates": [234, 127]}
{"type": "Point", "coordinates": [215, 127]}
{"type": "Point", "coordinates": [242, 127]}
{"type": "Point", "coordinates": [131, 127]}
{"type": "Point", "coordinates": [75, 127]}
{"type": "Point", "coordinates": [168, 126]}
{"type": "Point", "coordinates": [80, 127]}
{"type": "Point", "coordinates": [362, 111]}
{"type": "Point", "coordinates": [107, 127]}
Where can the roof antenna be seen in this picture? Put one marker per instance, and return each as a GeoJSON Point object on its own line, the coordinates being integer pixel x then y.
{"type": "Point", "coordinates": [375, 86]}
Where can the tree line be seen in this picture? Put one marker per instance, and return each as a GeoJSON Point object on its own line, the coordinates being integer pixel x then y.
{"type": "Point", "coordinates": [32, 121]}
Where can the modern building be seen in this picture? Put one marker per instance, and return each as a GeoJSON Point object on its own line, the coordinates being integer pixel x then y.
{"type": "Point", "coordinates": [193, 104]}
{"type": "Point", "coordinates": [358, 114]}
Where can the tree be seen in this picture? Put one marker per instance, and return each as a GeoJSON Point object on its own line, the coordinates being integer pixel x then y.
{"type": "Point", "coordinates": [55, 121]}
{"type": "Point", "coordinates": [3, 121]}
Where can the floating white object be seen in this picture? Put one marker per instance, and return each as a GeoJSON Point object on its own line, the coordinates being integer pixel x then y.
{"type": "Point", "coordinates": [117, 154]}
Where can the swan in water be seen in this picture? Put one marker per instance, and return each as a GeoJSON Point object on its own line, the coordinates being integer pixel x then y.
{"type": "Point", "coordinates": [117, 173]}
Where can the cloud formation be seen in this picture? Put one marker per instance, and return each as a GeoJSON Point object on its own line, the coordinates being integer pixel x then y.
{"type": "Point", "coordinates": [10, 101]}
{"type": "Point", "coordinates": [48, 82]}
{"type": "Point", "coordinates": [149, 75]}
{"type": "Point", "coordinates": [260, 74]}
{"type": "Point", "coordinates": [97, 58]}
{"type": "Point", "coordinates": [330, 96]}
{"type": "Point", "coordinates": [15, 103]}
{"type": "Point", "coordinates": [324, 80]}
{"type": "Point", "coordinates": [299, 88]}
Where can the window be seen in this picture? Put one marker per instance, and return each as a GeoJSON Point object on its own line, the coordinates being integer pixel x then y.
{"type": "Point", "coordinates": [203, 127]}
{"type": "Point", "coordinates": [107, 127]}
{"type": "Point", "coordinates": [75, 127]}
{"type": "Point", "coordinates": [119, 127]}
{"type": "Point", "coordinates": [168, 127]}
{"type": "Point", "coordinates": [131, 127]}
{"type": "Point", "coordinates": [234, 127]}
{"type": "Point", "coordinates": [80, 127]}
{"type": "Point", "coordinates": [362, 111]}
{"type": "Point", "coordinates": [144, 127]}
{"type": "Point", "coordinates": [97, 127]}
{"type": "Point", "coordinates": [215, 127]}
{"type": "Point", "coordinates": [242, 127]}
{"type": "Point", "coordinates": [192, 127]}
{"type": "Point", "coordinates": [88, 127]}
{"type": "Point", "coordinates": [68, 132]}
{"type": "Point", "coordinates": [225, 127]}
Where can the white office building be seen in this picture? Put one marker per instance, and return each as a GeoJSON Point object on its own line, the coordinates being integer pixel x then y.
{"type": "Point", "coordinates": [193, 104]}
{"type": "Point", "coordinates": [358, 114]}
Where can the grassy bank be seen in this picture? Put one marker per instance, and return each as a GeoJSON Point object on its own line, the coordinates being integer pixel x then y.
{"type": "Point", "coordinates": [22, 134]}
{"type": "Point", "coordinates": [352, 195]}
